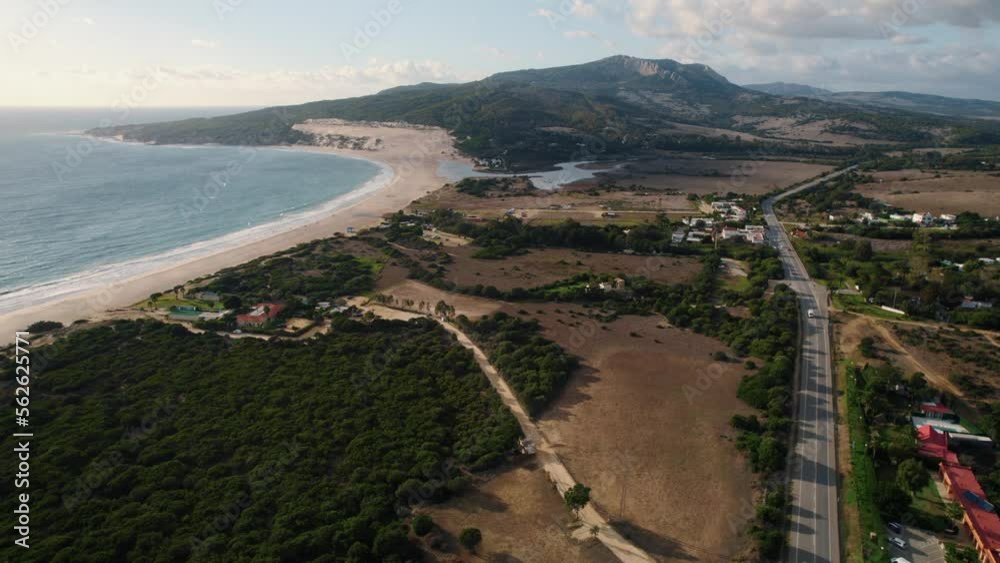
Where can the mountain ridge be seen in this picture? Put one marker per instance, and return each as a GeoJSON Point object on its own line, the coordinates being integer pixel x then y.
{"type": "Point", "coordinates": [890, 99]}
{"type": "Point", "coordinates": [623, 103]}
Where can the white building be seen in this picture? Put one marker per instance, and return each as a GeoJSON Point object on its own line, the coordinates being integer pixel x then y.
{"type": "Point", "coordinates": [923, 218]}
{"type": "Point", "coordinates": [970, 303]}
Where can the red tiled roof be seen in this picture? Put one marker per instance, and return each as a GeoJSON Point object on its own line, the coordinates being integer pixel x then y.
{"type": "Point", "coordinates": [984, 522]}
{"type": "Point", "coordinates": [272, 311]}
{"type": "Point", "coordinates": [935, 408]}
{"type": "Point", "coordinates": [932, 443]}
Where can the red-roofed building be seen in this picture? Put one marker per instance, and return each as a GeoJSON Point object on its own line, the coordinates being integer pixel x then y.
{"type": "Point", "coordinates": [936, 410]}
{"type": "Point", "coordinates": [262, 312]}
{"type": "Point", "coordinates": [980, 516]}
{"type": "Point", "coordinates": [932, 442]}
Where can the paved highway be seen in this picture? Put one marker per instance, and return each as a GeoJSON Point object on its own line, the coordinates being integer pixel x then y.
{"type": "Point", "coordinates": [814, 530]}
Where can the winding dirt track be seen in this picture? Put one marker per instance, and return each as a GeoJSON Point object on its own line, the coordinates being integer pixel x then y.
{"type": "Point", "coordinates": [623, 549]}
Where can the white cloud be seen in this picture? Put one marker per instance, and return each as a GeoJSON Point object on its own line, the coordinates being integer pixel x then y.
{"type": "Point", "coordinates": [206, 43]}
{"type": "Point", "coordinates": [230, 85]}
{"type": "Point", "coordinates": [88, 21]}
{"type": "Point", "coordinates": [838, 44]}
{"type": "Point", "coordinates": [580, 34]}
{"type": "Point", "coordinates": [858, 19]}
{"type": "Point", "coordinates": [950, 70]}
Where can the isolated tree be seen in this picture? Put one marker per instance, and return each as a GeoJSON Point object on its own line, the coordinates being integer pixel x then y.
{"type": "Point", "coordinates": [422, 524]}
{"type": "Point", "coordinates": [595, 531]}
{"type": "Point", "coordinates": [577, 497]}
{"type": "Point", "coordinates": [901, 445]}
{"type": "Point", "coordinates": [867, 347]}
{"type": "Point", "coordinates": [920, 256]}
{"type": "Point", "coordinates": [863, 251]}
{"type": "Point", "coordinates": [770, 454]}
{"type": "Point", "coordinates": [891, 499]}
{"type": "Point", "coordinates": [470, 538]}
{"type": "Point", "coordinates": [911, 475]}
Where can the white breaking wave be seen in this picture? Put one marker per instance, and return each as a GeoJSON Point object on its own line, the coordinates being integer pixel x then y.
{"type": "Point", "coordinates": [122, 272]}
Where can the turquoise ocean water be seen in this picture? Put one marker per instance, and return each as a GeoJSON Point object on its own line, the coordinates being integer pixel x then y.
{"type": "Point", "coordinates": [74, 209]}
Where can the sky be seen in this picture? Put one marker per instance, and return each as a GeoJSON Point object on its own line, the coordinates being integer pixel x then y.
{"type": "Point", "coordinates": [104, 53]}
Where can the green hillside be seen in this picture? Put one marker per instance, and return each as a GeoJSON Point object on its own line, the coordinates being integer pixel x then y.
{"type": "Point", "coordinates": [619, 104]}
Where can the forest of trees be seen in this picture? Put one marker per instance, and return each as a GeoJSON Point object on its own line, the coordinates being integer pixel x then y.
{"type": "Point", "coordinates": [310, 272]}
{"type": "Point", "coordinates": [508, 237]}
{"type": "Point", "coordinates": [161, 445]}
{"type": "Point", "coordinates": [534, 367]}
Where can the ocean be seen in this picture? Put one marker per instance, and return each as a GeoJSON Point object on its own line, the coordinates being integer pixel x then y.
{"type": "Point", "coordinates": [76, 209]}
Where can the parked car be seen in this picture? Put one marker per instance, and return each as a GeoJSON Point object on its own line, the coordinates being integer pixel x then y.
{"type": "Point", "coordinates": [899, 560]}
{"type": "Point", "coordinates": [895, 527]}
{"type": "Point", "coordinates": [898, 542]}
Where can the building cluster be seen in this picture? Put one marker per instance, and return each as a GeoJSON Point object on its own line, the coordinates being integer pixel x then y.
{"type": "Point", "coordinates": [754, 234]}
{"type": "Point", "coordinates": [260, 315]}
{"type": "Point", "coordinates": [969, 303]}
{"type": "Point", "coordinates": [920, 219]}
{"type": "Point", "coordinates": [937, 430]}
{"type": "Point", "coordinates": [617, 284]}
{"type": "Point", "coordinates": [729, 210]}
{"type": "Point", "coordinates": [985, 261]}
{"type": "Point", "coordinates": [705, 229]}
{"type": "Point", "coordinates": [489, 163]}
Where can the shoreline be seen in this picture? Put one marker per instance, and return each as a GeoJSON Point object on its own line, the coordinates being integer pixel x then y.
{"type": "Point", "coordinates": [413, 174]}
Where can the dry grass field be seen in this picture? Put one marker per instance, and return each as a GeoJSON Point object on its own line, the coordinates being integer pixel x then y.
{"type": "Point", "coordinates": [703, 176]}
{"type": "Point", "coordinates": [792, 128]}
{"type": "Point", "coordinates": [521, 517]}
{"type": "Point", "coordinates": [969, 360]}
{"type": "Point", "coordinates": [851, 329]}
{"type": "Point", "coordinates": [540, 267]}
{"type": "Point", "coordinates": [646, 425]}
{"type": "Point", "coordinates": [580, 202]}
{"type": "Point", "coordinates": [937, 192]}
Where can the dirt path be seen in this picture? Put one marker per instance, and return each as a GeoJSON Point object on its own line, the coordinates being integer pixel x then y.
{"type": "Point", "coordinates": [935, 378]}
{"type": "Point", "coordinates": [553, 466]}
{"type": "Point", "coordinates": [988, 335]}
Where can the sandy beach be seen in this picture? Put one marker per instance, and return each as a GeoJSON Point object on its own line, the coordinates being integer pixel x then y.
{"type": "Point", "coordinates": [412, 153]}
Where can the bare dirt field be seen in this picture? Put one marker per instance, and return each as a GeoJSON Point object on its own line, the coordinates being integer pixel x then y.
{"type": "Point", "coordinates": [704, 176]}
{"type": "Point", "coordinates": [521, 517]}
{"type": "Point", "coordinates": [540, 267]}
{"type": "Point", "coordinates": [421, 297]}
{"type": "Point", "coordinates": [945, 191]}
{"type": "Point", "coordinates": [645, 425]}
